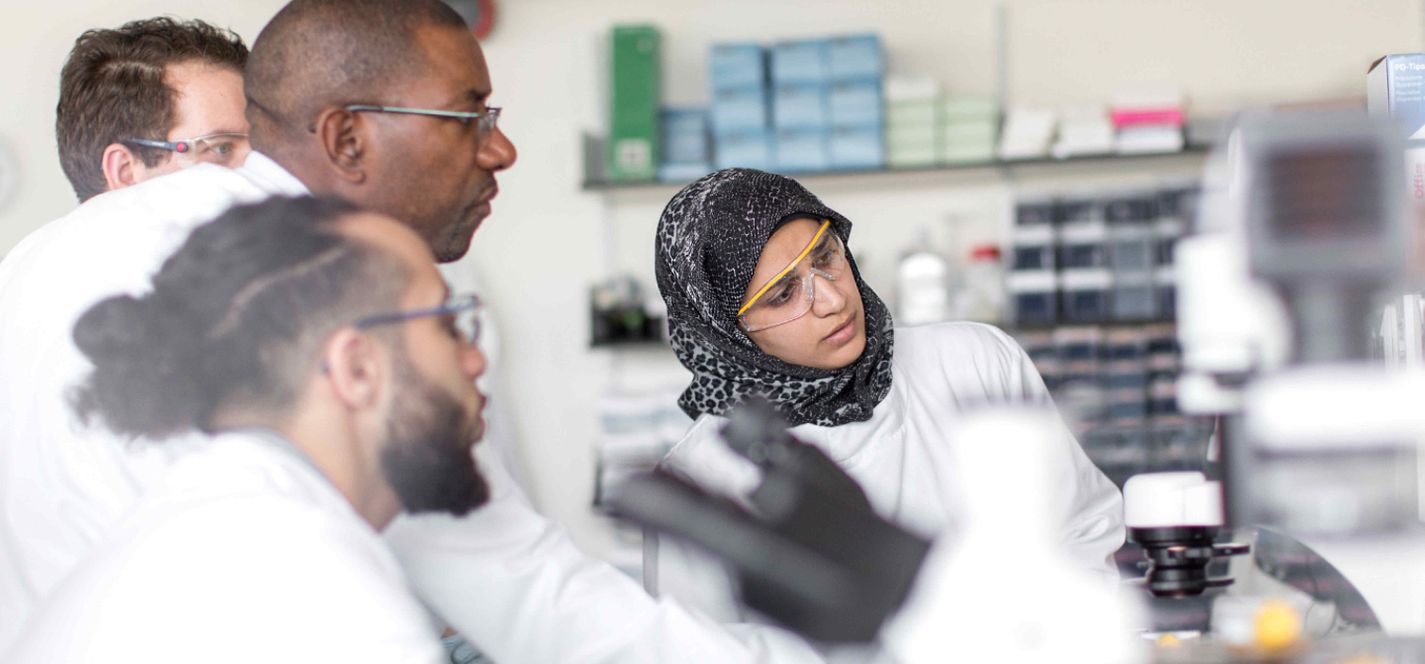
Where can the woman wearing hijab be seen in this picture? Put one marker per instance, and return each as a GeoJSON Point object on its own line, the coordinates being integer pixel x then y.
{"type": "Point", "coordinates": [764, 298]}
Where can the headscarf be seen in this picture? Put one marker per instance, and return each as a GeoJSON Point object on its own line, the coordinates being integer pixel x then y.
{"type": "Point", "coordinates": [710, 237]}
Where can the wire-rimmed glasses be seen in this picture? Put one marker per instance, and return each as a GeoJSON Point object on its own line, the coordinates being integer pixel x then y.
{"type": "Point", "coordinates": [224, 148]}
{"type": "Point", "coordinates": [486, 120]}
{"type": "Point", "coordinates": [462, 313]}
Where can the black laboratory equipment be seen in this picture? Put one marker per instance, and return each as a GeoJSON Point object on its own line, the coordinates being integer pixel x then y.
{"type": "Point", "coordinates": [809, 553]}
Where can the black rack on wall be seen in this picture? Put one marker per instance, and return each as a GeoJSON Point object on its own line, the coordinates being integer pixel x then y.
{"type": "Point", "coordinates": [1093, 297]}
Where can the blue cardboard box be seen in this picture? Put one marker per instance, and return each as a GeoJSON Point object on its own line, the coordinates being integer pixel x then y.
{"type": "Point", "coordinates": [737, 65]}
{"type": "Point", "coordinates": [684, 172]}
{"type": "Point", "coordinates": [801, 150]}
{"type": "Point", "coordinates": [799, 62]}
{"type": "Point", "coordinates": [800, 106]}
{"type": "Point", "coordinates": [685, 148]}
{"type": "Point", "coordinates": [739, 110]}
{"type": "Point", "coordinates": [855, 104]}
{"type": "Point", "coordinates": [855, 57]}
{"type": "Point", "coordinates": [685, 135]}
{"type": "Point", "coordinates": [748, 149]}
{"type": "Point", "coordinates": [685, 119]}
{"type": "Point", "coordinates": [853, 148]}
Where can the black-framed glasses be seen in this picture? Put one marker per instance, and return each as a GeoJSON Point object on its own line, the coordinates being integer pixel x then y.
{"type": "Point", "coordinates": [225, 148]}
{"type": "Point", "coordinates": [462, 313]}
{"type": "Point", "coordinates": [485, 120]}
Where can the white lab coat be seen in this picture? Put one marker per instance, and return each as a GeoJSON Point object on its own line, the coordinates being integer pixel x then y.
{"type": "Point", "coordinates": [504, 576]}
{"type": "Point", "coordinates": [904, 457]}
{"type": "Point", "coordinates": [242, 553]}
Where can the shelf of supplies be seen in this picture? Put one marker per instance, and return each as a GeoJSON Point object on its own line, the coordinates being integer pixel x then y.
{"type": "Point", "coordinates": [601, 184]}
{"type": "Point", "coordinates": [630, 344]}
{"type": "Point", "coordinates": [1014, 328]}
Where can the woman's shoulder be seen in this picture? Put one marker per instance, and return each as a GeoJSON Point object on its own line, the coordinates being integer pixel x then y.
{"type": "Point", "coordinates": [964, 361]}
{"type": "Point", "coordinates": [954, 341]}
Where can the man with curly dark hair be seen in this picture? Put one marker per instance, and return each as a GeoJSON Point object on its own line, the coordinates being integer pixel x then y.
{"type": "Point", "coordinates": [323, 353]}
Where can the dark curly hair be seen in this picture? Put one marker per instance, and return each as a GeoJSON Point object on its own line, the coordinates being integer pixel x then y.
{"type": "Point", "coordinates": [235, 318]}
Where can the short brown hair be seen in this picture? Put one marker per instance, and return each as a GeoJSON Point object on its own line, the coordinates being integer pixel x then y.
{"type": "Point", "coordinates": [112, 89]}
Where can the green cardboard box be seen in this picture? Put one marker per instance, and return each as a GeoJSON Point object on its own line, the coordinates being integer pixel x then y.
{"type": "Point", "coordinates": [635, 93]}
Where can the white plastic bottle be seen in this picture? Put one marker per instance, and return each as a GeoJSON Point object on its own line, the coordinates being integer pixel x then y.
{"type": "Point", "coordinates": [922, 285]}
{"type": "Point", "coordinates": [981, 293]}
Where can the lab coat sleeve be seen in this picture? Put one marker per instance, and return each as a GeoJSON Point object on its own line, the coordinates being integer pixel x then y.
{"type": "Point", "coordinates": [1093, 506]}
{"type": "Point", "coordinates": [677, 569]}
{"type": "Point", "coordinates": [235, 581]}
{"type": "Point", "coordinates": [520, 590]}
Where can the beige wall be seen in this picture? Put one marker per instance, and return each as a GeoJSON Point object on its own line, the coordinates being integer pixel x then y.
{"type": "Point", "coordinates": [548, 240]}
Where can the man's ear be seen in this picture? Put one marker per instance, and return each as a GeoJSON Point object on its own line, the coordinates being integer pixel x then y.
{"type": "Point", "coordinates": [356, 367]}
{"type": "Point", "coordinates": [120, 167]}
{"type": "Point", "coordinates": [343, 136]}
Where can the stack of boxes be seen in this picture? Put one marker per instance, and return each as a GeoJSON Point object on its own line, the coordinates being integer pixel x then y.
{"type": "Point", "coordinates": [1033, 280]}
{"type": "Point", "coordinates": [1132, 253]}
{"type": "Point", "coordinates": [970, 130]}
{"type": "Point", "coordinates": [1084, 131]}
{"type": "Point", "coordinates": [1148, 122]}
{"type": "Point", "coordinates": [740, 126]}
{"type": "Point", "coordinates": [686, 154]}
{"type": "Point", "coordinates": [1177, 207]}
{"type": "Point", "coordinates": [1085, 279]}
{"type": "Point", "coordinates": [800, 115]}
{"type": "Point", "coordinates": [1028, 133]}
{"type": "Point", "coordinates": [1087, 271]}
{"type": "Point", "coordinates": [824, 104]}
{"type": "Point", "coordinates": [923, 129]}
{"type": "Point", "coordinates": [1117, 386]}
{"type": "Point", "coordinates": [1096, 259]}
{"type": "Point", "coordinates": [807, 105]}
{"type": "Point", "coordinates": [856, 69]}
{"type": "Point", "coordinates": [912, 122]}
{"type": "Point", "coordinates": [635, 94]}
{"type": "Point", "coordinates": [1125, 378]}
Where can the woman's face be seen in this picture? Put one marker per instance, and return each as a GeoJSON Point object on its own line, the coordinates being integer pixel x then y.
{"type": "Point", "coordinates": [832, 334]}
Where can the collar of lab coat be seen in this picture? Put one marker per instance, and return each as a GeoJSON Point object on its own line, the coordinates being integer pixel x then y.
{"type": "Point", "coordinates": [270, 176]}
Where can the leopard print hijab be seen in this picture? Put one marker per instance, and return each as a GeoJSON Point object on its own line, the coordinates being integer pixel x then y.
{"type": "Point", "coordinates": [709, 239]}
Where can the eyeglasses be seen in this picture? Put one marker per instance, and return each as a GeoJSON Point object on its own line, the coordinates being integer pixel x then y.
{"type": "Point", "coordinates": [487, 118]}
{"type": "Point", "coordinates": [224, 148]}
{"type": "Point", "coordinates": [789, 295]}
{"type": "Point", "coordinates": [461, 313]}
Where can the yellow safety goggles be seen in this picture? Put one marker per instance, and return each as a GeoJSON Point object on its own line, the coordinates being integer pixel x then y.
{"type": "Point", "coordinates": [790, 293]}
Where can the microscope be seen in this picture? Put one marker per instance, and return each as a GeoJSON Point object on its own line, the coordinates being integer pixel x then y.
{"type": "Point", "coordinates": [1305, 234]}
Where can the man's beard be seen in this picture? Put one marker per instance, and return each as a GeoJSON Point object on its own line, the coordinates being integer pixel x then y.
{"type": "Point", "coordinates": [427, 458]}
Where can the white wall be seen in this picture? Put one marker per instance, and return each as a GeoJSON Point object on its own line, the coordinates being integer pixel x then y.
{"type": "Point", "coordinates": [548, 240]}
